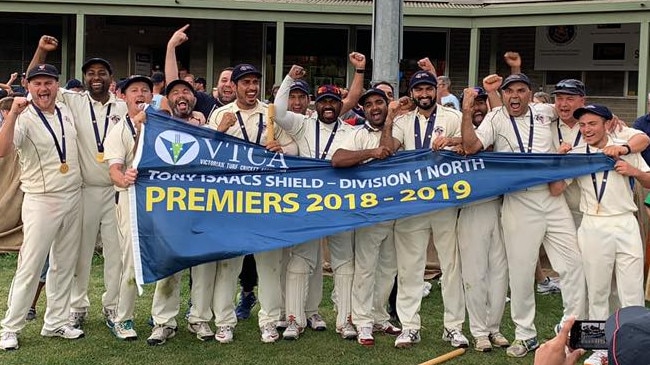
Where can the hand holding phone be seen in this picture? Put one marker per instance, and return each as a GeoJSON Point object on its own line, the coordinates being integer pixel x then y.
{"type": "Point", "coordinates": [588, 335]}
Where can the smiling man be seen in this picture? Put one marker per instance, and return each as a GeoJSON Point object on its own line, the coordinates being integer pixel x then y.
{"type": "Point", "coordinates": [531, 216]}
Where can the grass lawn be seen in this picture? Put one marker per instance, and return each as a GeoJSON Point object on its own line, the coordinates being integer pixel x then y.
{"type": "Point", "coordinates": [314, 348]}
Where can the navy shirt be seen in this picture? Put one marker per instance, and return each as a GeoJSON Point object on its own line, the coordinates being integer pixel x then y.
{"type": "Point", "coordinates": [204, 103]}
{"type": "Point", "coordinates": [643, 124]}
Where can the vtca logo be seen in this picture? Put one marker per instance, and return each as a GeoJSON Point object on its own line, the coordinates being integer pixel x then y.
{"type": "Point", "coordinates": [176, 148]}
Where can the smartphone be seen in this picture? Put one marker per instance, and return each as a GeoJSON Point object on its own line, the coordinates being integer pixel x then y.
{"type": "Point", "coordinates": [588, 335]}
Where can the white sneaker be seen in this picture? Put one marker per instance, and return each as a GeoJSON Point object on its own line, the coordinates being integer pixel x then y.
{"type": "Point", "coordinates": [292, 331]}
{"type": "Point", "coordinates": [456, 337]}
{"type": "Point", "coordinates": [160, 334]}
{"type": "Point", "coordinates": [202, 330]}
{"type": "Point", "coordinates": [269, 333]}
{"type": "Point", "coordinates": [316, 322]}
{"type": "Point", "coordinates": [9, 341]}
{"type": "Point", "coordinates": [348, 332]}
{"type": "Point", "coordinates": [364, 336]}
{"type": "Point", "coordinates": [598, 357]}
{"type": "Point", "coordinates": [77, 319]}
{"type": "Point", "coordinates": [387, 328]}
{"type": "Point", "coordinates": [124, 330]}
{"type": "Point", "coordinates": [109, 316]}
{"type": "Point", "coordinates": [66, 331]}
{"type": "Point", "coordinates": [407, 338]}
{"type": "Point", "coordinates": [224, 334]}
{"type": "Point", "coordinates": [549, 286]}
{"type": "Point", "coordinates": [426, 289]}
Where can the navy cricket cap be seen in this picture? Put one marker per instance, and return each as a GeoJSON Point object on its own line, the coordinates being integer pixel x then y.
{"type": "Point", "coordinates": [628, 336]}
{"type": "Point", "coordinates": [570, 87]}
{"type": "Point", "coordinates": [244, 69]}
{"type": "Point", "coordinates": [157, 77]}
{"type": "Point", "coordinates": [124, 84]}
{"type": "Point", "coordinates": [73, 83]}
{"type": "Point", "coordinates": [370, 92]}
{"type": "Point", "coordinates": [516, 78]}
{"type": "Point", "coordinates": [599, 110]}
{"type": "Point", "coordinates": [95, 60]}
{"type": "Point", "coordinates": [171, 85]}
{"type": "Point", "coordinates": [300, 85]}
{"type": "Point", "coordinates": [422, 77]}
{"type": "Point", "coordinates": [43, 70]}
{"type": "Point", "coordinates": [328, 91]}
{"type": "Point", "coordinates": [480, 94]}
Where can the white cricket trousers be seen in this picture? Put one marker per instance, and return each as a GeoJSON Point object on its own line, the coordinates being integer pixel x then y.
{"type": "Point", "coordinates": [167, 300]}
{"type": "Point", "coordinates": [528, 218]}
{"type": "Point", "coordinates": [51, 224]}
{"type": "Point", "coordinates": [375, 267]}
{"type": "Point", "coordinates": [484, 265]}
{"type": "Point", "coordinates": [411, 240]}
{"type": "Point", "coordinates": [128, 290]}
{"type": "Point", "coordinates": [98, 217]}
{"type": "Point", "coordinates": [301, 265]}
{"type": "Point", "coordinates": [611, 245]}
{"type": "Point", "coordinates": [212, 292]}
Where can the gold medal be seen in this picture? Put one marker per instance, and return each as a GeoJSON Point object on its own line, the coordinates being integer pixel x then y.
{"type": "Point", "coordinates": [64, 168]}
{"type": "Point", "coordinates": [100, 157]}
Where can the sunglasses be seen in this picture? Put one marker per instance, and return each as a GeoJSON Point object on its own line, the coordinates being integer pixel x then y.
{"type": "Point", "coordinates": [569, 84]}
{"type": "Point", "coordinates": [328, 89]}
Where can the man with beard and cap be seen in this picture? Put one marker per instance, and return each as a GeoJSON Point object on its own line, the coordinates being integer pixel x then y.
{"type": "Point", "coordinates": [609, 235]}
{"type": "Point", "coordinates": [204, 102]}
{"type": "Point", "coordinates": [119, 155]}
{"type": "Point", "coordinates": [96, 111]}
{"type": "Point", "coordinates": [375, 265]}
{"type": "Point", "coordinates": [429, 126]}
{"type": "Point", "coordinates": [530, 217]}
{"type": "Point", "coordinates": [246, 118]}
{"type": "Point", "coordinates": [44, 135]}
{"type": "Point", "coordinates": [182, 101]}
{"type": "Point", "coordinates": [319, 136]}
{"type": "Point", "coordinates": [482, 254]}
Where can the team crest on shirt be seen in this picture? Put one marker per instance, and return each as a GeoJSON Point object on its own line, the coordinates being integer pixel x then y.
{"type": "Point", "coordinates": [114, 119]}
{"type": "Point", "coordinates": [542, 119]}
{"type": "Point", "coordinates": [439, 131]}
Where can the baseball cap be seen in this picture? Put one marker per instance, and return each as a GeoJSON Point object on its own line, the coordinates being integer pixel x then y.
{"type": "Point", "coordinates": [515, 78]}
{"type": "Point", "coordinates": [124, 84]}
{"type": "Point", "coordinates": [328, 91]}
{"type": "Point", "coordinates": [171, 85]}
{"type": "Point", "coordinates": [570, 86]}
{"type": "Point", "coordinates": [95, 60]}
{"type": "Point", "coordinates": [370, 92]}
{"type": "Point", "coordinates": [242, 70]}
{"type": "Point", "coordinates": [43, 70]}
{"type": "Point", "coordinates": [300, 85]}
{"type": "Point", "coordinates": [200, 80]}
{"type": "Point", "coordinates": [422, 77]}
{"type": "Point", "coordinates": [600, 110]}
{"type": "Point", "coordinates": [157, 77]}
{"type": "Point", "coordinates": [73, 83]}
{"type": "Point", "coordinates": [628, 336]}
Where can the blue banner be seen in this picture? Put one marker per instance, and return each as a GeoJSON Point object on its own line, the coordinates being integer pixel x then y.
{"type": "Point", "coordinates": [203, 196]}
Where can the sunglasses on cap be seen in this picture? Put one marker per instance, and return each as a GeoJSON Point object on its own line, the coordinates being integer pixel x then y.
{"type": "Point", "coordinates": [328, 89]}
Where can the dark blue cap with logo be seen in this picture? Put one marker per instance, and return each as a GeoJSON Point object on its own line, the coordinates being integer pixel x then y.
{"type": "Point", "coordinates": [43, 70]}
{"type": "Point", "coordinates": [172, 84]}
{"type": "Point", "coordinates": [328, 91]}
{"type": "Point", "coordinates": [300, 85]}
{"type": "Point", "coordinates": [628, 336]}
{"type": "Point", "coordinates": [370, 92]}
{"type": "Point", "coordinates": [516, 78]}
{"type": "Point", "coordinates": [244, 69]}
{"type": "Point", "coordinates": [95, 60]}
{"type": "Point", "coordinates": [157, 77]}
{"type": "Point", "coordinates": [422, 77]}
{"type": "Point", "coordinates": [73, 84]}
{"type": "Point", "coordinates": [570, 87]}
{"type": "Point", "coordinates": [124, 84]}
{"type": "Point", "coordinates": [599, 110]}
{"type": "Point", "coordinates": [480, 94]}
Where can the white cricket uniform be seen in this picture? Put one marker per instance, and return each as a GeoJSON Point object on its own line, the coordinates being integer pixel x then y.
{"type": "Point", "coordinates": [268, 263]}
{"type": "Point", "coordinates": [118, 148]}
{"type": "Point", "coordinates": [51, 214]}
{"type": "Point", "coordinates": [375, 265]}
{"type": "Point", "coordinates": [532, 216]}
{"type": "Point", "coordinates": [412, 233]}
{"type": "Point", "coordinates": [562, 132]}
{"type": "Point", "coordinates": [304, 130]}
{"type": "Point", "coordinates": [98, 196]}
{"type": "Point", "coordinates": [609, 236]}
